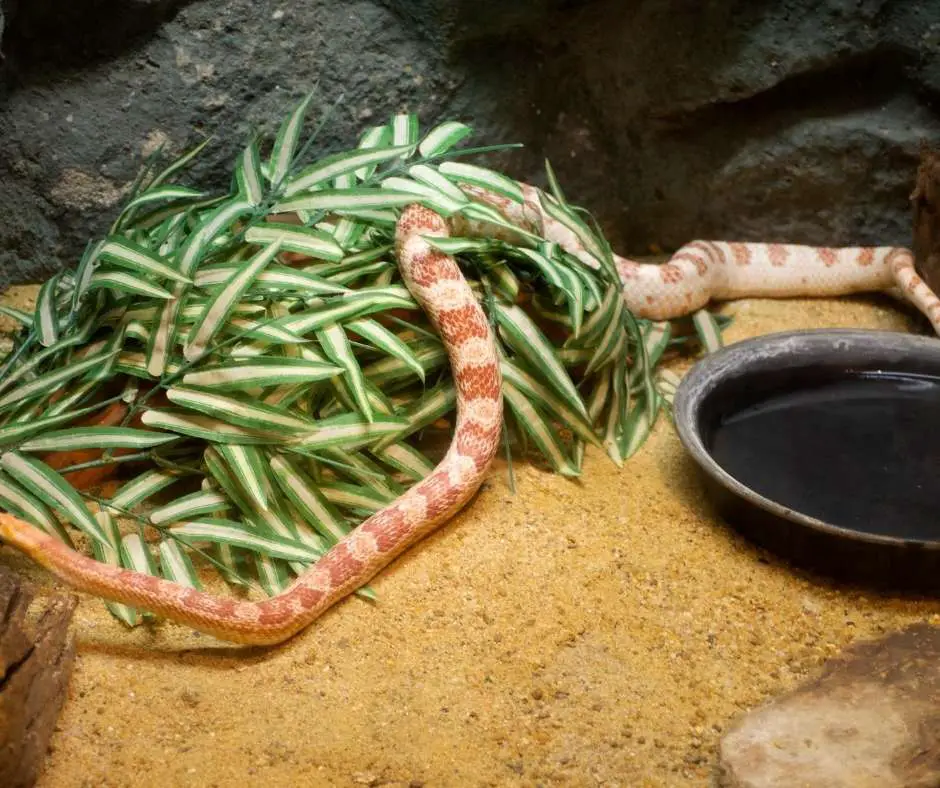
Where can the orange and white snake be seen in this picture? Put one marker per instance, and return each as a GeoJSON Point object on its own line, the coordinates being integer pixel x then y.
{"type": "Point", "coordinates": [697, 274]}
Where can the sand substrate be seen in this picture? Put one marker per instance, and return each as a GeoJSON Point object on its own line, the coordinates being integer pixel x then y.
{"type": "Point", "coordinates": [600, 632]}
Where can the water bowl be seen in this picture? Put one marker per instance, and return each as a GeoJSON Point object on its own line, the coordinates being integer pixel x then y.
{"type": "Point", "coordinates": [823, 447]}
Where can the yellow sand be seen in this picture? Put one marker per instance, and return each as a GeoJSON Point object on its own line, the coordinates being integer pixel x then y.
{"type": "Point", "coordinates": [593, 633]}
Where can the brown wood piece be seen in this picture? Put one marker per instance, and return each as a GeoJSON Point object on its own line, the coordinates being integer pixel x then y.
{"type": "Point", "coordinates": [36, 661]}
{"type": "Point", "coordinates": [925, 203]}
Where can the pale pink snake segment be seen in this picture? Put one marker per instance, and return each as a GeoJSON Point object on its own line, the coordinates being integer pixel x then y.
{"type": "Point", "coordinates": [440, 288]}
{"type": "Point", "coordinates": [705, 271]}
{"type": "Point", "coordinates": [700, 272]}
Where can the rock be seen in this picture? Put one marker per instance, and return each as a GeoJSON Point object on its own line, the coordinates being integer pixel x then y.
{"type": "Point", "coordinates": [794, 121]}
{"type": "Point", "coordinates": [35, 666]}
{"type": "Point", "coordinates": [926, 202]}
{"type": "Point", "coordinates": [871, 720]}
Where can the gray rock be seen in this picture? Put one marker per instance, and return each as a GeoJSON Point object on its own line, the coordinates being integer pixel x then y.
{"type": "Point", "coordinates": [872, 720]}
{"type": "Point", "coordinates": [670, 119]}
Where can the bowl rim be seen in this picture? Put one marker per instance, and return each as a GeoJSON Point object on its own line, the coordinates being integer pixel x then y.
{"type": "Point", "coordinates": [702, 378]}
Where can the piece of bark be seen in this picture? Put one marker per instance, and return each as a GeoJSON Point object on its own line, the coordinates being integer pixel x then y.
{"type": "Point", "coordinates": [925, 204]}
{"type": "Point", "coordinates": [35, 666]}
{"type": "Point", "coordinates": [871, 720]}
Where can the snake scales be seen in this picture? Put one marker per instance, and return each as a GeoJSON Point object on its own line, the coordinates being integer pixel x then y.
{"type": "Point", "coordinates": [696, 274]}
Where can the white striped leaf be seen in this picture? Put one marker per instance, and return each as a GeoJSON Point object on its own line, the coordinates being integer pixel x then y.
{"type": "Point", "coordinates": [442, 138]}
{"type": "Point", "coordinates": [358, 467]}
{"type": "Point", "coordinates": [160, 193]}
{"type": "Point", "coordinates": [261, 371]}
{"type": "Point", "coordinates": [313, 507]}
{"type": "Point", "coordinates": [350, 430]}
{"type": "Point", "coordinates": [429, 196]}
{"type": "Point", "coordinates": [12, 433]}
{"type": "Point", "coordinates": [433, 179]}
{"type": "Point", "coordinates": [162, 338]}
{"type": "Point", "coordinates": [540, 430]}
{"type": "Point", "coordinates": [339, 164]}
{"type": "Point", "coordinates": [218, 309]}
{"type": "Point", "coordinates": [526, 339]}
{"type": "Point", "coordinates": [190, 506]}
{"type": "Point", "coordinates": [295, 238]}
{"type": "Point", "coordinates": [638, 425]}
{"type": "Point", "coordinates": [247, 466]}
{"type": "Point", "coordinates": [358, 199]}
{"type": "Point", "coordinates": [50, 381]}
{"type": "Point", "coordinates": [274, 277]}
{"type": "Point", "coordinates": [254, 415]}
{"type": "Point", "coordinates": [96, 438]}
{"type": "Point", "coordinates": [285, 145]}
{"type": "Point", "coordinates": [578, 423]}
{"type": "Point", "coordinates": [176, 566]}
{"type": "Point", "coordinates": [22, 503]}
{"type": "Point", "coordinates": [248, 174]}
{"type": "Point", "coordinates": [336, 346]}
{"type": "Point", "coordinates": [17, 314]}
{"type": "Point", "coordinates": [109, 553]}
{"type": "Point", "coordinates": [235, 534]}
{"type": "Point", "coordinates": [273, 574]}
{"type": "Point", "coordinates": [127, 283]}
{"type": "Point", "coordinates": [406, 459]}
{"type": "Point", "coordinates": [203, 427]}
{"type": "Point", "coordinates": [708, 330]}
{"type": "Point", "coordinates": [483, 177]}
{"type": "Point", "coordinates": [46, 318]}
{"type": "Point", "coordinates": [433, 404]}
{"type": "Point", "coordinates": [127, 254]}
{"type": "Point", "coordinates": [221, 474]}
{"type": "Point", "coordinates": [386, 341]}
{"type": "Point", "coordinates": [375, 137]}
{"type": "Point", "coordinates": [52, 489]}
{"type": "Point", "coordinates": [354, 496]}
{"type": "Point", "coordinates": [405, 129]}
{"type": "Point", "coordinates": [358, 304]}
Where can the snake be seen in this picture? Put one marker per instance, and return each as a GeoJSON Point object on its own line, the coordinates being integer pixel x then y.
{"type": "Point", "coordinates": [698, 273]}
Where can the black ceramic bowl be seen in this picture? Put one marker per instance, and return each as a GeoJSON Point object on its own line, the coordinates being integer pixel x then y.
{"type": "Point", "coordinates": [886, 538]}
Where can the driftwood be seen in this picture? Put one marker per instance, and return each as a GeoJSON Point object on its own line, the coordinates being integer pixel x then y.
{"type": "Point", "coordinates": [35, 666]}
{"type": "Point", "coordinates": [925, 202]}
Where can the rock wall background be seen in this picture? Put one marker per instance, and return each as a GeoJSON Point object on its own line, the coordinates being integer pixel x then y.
{"type": "Point", "coordinates": [794, 120]}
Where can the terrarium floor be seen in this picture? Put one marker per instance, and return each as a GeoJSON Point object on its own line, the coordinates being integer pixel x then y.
{"type": "Point", "coordinates": [593, 633]}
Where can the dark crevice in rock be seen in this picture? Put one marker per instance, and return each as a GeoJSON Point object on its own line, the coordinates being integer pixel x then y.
{"type": "Point", "coordinates": [45, 39]}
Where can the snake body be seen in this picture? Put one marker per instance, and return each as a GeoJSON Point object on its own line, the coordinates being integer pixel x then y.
{"type": "Point", "coordinates": [698, 273]}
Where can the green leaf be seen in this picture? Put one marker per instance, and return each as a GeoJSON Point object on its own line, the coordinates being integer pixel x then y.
{"type": "Point", "coordinates": [405, 129]}
{"type": "Point", "coordinates": [176, 566]}
{"type": "Point", "coordinates": [524, 337]}
{"type": "Point", "coordinates": [142, 487]}
{"type": "Point", "coordinates": [248, 174]}
{"type": "Point", "coordinates": [22, 317]}
{"type": "Point", "coordinates": [483, 177]}
{"type": "Point", "coordinates": [127, 283]}
{"type": "Point", "coordinates": [235, 534]}
{"type": "Point", "coordinates": [286, 143]}
{"type": "Point", "coordinates": [261, 371]}
{"type": "Point", "coordinates": [109, 553]}
{"type": "Point", "coordinates": [295, 238]}
{"type": "Point", "coordinates": [356, 199]}
{"type": "Point", "coordinates": [139, 259]}
{"type": "Point", "coordinates": [331, 167]}
{"type": "Point", "coordinates": [442, 138]}
{"type": "Point", "coordinates": [429, 196]}
{"type": "Point", "coordinates": [254, 415]}
{"type": "Point", "coordinates": [542, 433]}
{"type": "Point", "coordinates": [379, 336]}
{"type": "Point", "coordinates": [218, 309]}
{"type": "Point", "coordinates": [51, 488]}
{"type": "Point", "coordinates": [247, 466]}
{"type": "Point", "coordinates": [708, 330]}
{"type": "Point", "coordinates": [204, 427]}
{"type": "Point", "coordinates": [313, 507]}
{"type": "Point", "coordinates": [17, 500]}
{"type": "Point", "coordinates": [350, 430]}
{"type": "Point", "coordinates": [46, 317]}
{"type": "Point", "coordinates": [336, 346]}
{"type": "Point", "coordinates": [76, 438]}
{"type": "Point", "coordinates": [190, 506]}
{"type": "Point", "coordinates": [161, 193]}
{"type": "Point", "coordinates": [50, 381]}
